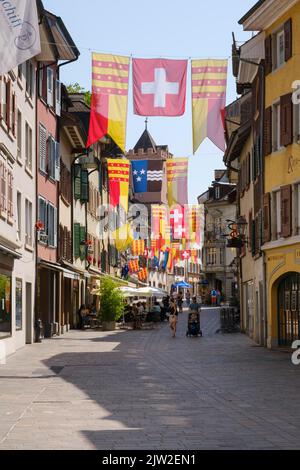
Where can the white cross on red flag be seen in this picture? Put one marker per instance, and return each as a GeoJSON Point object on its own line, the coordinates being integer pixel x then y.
{"type": "Point", "coordinates": [159, 87]}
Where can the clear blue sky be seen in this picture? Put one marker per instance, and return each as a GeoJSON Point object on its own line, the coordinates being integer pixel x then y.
{"type": "Point", "coordinates": [157, 28]}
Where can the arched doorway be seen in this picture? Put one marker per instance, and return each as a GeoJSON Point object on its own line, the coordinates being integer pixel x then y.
{"type": "Point", "coordinates": [289, 309]}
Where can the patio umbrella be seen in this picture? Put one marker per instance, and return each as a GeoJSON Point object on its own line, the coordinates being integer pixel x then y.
{"type": "Point", "coordinates": [151, 292]}
{"type": "Point", "coordinates": [183, 285]}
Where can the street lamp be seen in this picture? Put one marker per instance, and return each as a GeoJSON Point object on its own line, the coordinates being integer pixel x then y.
{"type": "Point", "coordinates": [237, 236]}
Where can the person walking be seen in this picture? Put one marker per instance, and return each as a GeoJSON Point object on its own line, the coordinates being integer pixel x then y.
{"type": "Point", "coordinates": [173, 317]}
{"type": "Point", "coordinates": [213, 295]}
{"type": "Point", "coordinates": [82, 313]}
{"type": "Point", "coordinates": [188, 298]}
{"type": "Point", "coordinates": [180, 301]}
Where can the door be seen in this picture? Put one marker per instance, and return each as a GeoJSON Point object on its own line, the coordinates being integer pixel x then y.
{"type": "Point", "coordinates": [289, 310]}
{"type": "Point", "coordinates": [29, 319]}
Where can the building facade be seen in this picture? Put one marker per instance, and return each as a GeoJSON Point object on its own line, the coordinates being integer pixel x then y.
{"type": "Point", "coordinates": [278, 21]}
{"type": "Point", "coordinates": [218, 260]}
{"type": "Point", "coordinates": [17, 207]}
{"type": "Point", "coordinates": [57, 46]}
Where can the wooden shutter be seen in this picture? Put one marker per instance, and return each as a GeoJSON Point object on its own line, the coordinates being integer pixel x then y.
{"type": "Point", "coordinates": [55, 221]}
{"type": "Point", "coordinates": [76, 240]}
{"type": "Point", "coordinates": [286, 120]}
{"type": "Point", "coordinates": [14, 114]}
{"type": "Point", "coordinates": [42, 147]}
{"type": "Point", "coordinates": [69, 246]}
{"type": "Point", "coordinates": [288, 39]}
{"type": "Point", "coordinates": [84, 197]}
{"type": "Point", "coordinates": [77, 181]}
{"type": "Point", "coordinates": [250, 231]}
{"type": "Point", "coordinates": [286, 211]}
{"type": "Point", "coordinates": [268, 131]}
{"type": "Point", "coordinates": [268, 51]}
{"type": "Point", "coordinates": [267, 217]}
{"type": "Point", "coordinates": [8, 104]}
{"type": "Point", "coordinates": [61, 242]}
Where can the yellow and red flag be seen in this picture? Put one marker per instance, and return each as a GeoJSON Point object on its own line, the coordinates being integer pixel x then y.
{"type": "Point", "coordinates": [133, 266]}
{"type": "Point", "coordinates": [177, 180]}
{"type": "Point", "coordinates": [159, 222]}
{"type": "Point", "coordinates": [109, 98]}
{"type": "Point", "coordinates": [138, 247]}
{"type": "Point", "coordinates": [118, 176]}
{"type": "Point", "coordinates": [143, 274]}
{"type": "Point", "coordinates": [209, 82]}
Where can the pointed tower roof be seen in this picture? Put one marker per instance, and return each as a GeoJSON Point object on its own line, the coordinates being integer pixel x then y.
{"type": "Point", "coordinates": [145, 142]}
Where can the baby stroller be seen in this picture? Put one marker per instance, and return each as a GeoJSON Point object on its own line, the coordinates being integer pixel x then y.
{"type": "Point", "coordinates": [193, 327]}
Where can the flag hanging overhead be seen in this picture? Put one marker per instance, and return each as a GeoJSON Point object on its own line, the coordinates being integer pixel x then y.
{"type": "Point", "coordinates": [19, 33]}
{"type": "Point", "coordinates": [147, 175]}
{"type": "Point", "coordinates": [109, 98]}
{"type": "Point", "coordinates": [118, 176]}
{"type": "Point", "coordinates": [209, 81]}
{"type": "Point", "coordinates": [177, 179]}
{"type": "Point", "coordinates": [159, 87]}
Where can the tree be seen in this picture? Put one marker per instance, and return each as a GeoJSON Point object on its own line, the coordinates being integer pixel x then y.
{"type": "Point", "coordinates": [74, 88]}
{"type": "Point", "coordinates": [111, 301]}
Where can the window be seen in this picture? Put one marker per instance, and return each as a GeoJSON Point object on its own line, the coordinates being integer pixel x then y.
{"type": "Point", "coordinates": [276, 127]}
{"type": "Point", "coordinates": [28, 223]}
{"type": "Point", "coordinates": [217, 192]}
{"type": "Point", "coordinates": [19, 215]}
{"type": "Point", "coordinates": [29, 78]}
{"type": "Point", "coordinates": [58, 97]}
{"type": "Point", "coordinates": [19, 304]}
{"type": "Point", "coordinates": [53, 159]}
{"type": "Point", "coordinates": [52, 226]}
{"type": "Point", "coordinates": [280, 49]}
{"type": "Point", "coordinates": [28, 145]}
{"type": "Point", "coordinates": [5, 305]}
{"type": "Point", "coordinates": [42, 217]}
{"type": "Point", "coordinates": [19, 136]}
{"type": "Point", "coordinates": [42, 148]}
{"type": "Point", "coordinates": [212, 256]}
{"type": "Point", "coordinates": [50, 87]}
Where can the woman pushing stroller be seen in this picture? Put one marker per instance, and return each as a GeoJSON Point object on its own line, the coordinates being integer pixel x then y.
{"type": "Point", "coordinates": [193, 328]}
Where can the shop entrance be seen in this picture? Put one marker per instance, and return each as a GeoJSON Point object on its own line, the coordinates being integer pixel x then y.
{"type": "Point", "coordinates": [289, 309]}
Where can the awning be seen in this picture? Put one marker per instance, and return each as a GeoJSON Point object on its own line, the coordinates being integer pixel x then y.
{"type": "Point", "coordinates": [252, 51]}
{"type": "Point", "coordinates": [9, 252]}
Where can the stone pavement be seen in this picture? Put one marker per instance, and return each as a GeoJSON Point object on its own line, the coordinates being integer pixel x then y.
{"type": "Point", "coordinates": [147, 390]}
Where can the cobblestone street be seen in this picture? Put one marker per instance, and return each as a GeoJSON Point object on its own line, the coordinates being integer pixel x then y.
{"type": "Point", "coordinates": [146, 390]}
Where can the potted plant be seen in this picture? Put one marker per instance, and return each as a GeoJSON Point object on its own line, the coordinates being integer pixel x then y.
{"type": "Point", "coordinates": [111, 304]}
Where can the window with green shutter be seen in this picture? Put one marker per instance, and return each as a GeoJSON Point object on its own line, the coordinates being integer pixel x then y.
{"type": "Point", "coordinates": [84, 186]}
{"type": "Point", "coordinates": [77, 181]}
{"type": "Point", "coordinates": [76, 240]}
{"type": "Point", "coordinates": [82, 247]}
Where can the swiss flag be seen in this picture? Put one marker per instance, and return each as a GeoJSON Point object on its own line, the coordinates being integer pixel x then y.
{"type": "Point", "coordinates": [177, 222]}
{"type": "Point", "coordinates": [159, 87]}
{"type": "Point", "coordinates": [185, 255]}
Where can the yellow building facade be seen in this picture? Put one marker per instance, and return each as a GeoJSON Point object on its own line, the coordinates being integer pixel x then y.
{"type": "Point", "coordinates": [282, 183]}
{"type": "Point", "coordinates": [280, 24]}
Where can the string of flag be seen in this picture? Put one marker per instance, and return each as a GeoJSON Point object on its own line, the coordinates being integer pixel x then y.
{"type": "Point", "coordinates": [159, 89]}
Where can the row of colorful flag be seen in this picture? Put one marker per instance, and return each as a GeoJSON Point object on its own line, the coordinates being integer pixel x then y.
{"type": "Point", "coordinates": [159, 89]}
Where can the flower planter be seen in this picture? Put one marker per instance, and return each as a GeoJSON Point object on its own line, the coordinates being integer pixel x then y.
{"type": "Point", "coordinates": [108, 325]}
